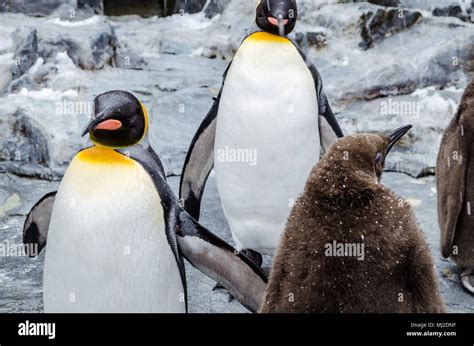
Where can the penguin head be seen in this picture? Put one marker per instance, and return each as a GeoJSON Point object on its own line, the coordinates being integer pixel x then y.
{"type": "Point", "coordinates": [277, 17]}
{"type": "Point", "coordinates": [388, 142]}
{"type": "Point", "coordinates": [349, 173]}
{"type": "Point", "coordinates": [119, 120]}
{"type": "Point", "coordinates": [365, 154]}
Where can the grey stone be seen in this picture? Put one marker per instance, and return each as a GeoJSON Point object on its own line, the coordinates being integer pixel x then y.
{"type": "Point", "coordinates": [32, 7]}
{"type": "Point", "coordinates": [375, 26]}
{"type": "Point", "coordinates": [307, 40]}
{"type": "Point", "coordinates": [189, 6]}
{"type": "Point", "coordinates": [23, 143]}
{"type": "Point", "coordinates": [129, 60]}
{"type": "Point", "coordinates": [453, 10]}
{"type": "Point", "coordinates": [386, 3]}
{"type": "Point", "coordinates": [90, 47]}
{"type": "Point", "coordinates": [95, 5]}
{"type": "Point", "coordinates": [215, 7]}
{"type": "Point", "coordinates": [26, 51]}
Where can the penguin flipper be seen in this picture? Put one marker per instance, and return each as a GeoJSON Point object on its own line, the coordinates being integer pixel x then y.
{"type": "Point", "coordinates": [200, 159]}
{"type": "Point", "coordinates": [221, 262]}
{"type": "Point", "coordinates": [35, 228]}
{"type": "Point", "coordinates": [451, 176]}
{"type": "Point", "coordinates": [323, 102]}
{"type": "Point", "coordinates": [199, 162]}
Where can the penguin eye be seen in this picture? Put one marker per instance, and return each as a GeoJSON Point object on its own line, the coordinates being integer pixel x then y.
{"type": "Point", "coordinates": [378, 158]}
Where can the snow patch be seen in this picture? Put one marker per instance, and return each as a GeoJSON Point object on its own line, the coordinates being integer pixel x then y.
{"type": "Point", "coordinates": [85, 22]}
{"type": "Point", "coordinates": [38, 63]}
{"type": "Point", "coordinates": [44, 94]}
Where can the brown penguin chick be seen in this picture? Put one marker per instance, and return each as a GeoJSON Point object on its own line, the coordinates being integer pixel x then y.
{"type": "Point", "coordinates": [455, 182]}
{"type": "Point", "coordinates": [350, 244]}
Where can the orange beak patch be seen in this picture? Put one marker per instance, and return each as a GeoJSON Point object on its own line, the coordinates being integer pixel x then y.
{"type": "Point", "coordinates": [274, 21]}
{"type": "Point", "coordinates": [109, 125]}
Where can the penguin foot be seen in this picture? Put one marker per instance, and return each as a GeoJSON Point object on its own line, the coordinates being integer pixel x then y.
{"type": "Point", "coordinates": [254, 256]}
{"type": "Point", "coordinates": [467, 280]}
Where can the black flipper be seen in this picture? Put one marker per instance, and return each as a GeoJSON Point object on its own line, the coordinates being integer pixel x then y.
{"type": "Point", "coordinates": [323, 103]}
{"type": "Point", "coordinates": [200, 159]}
{"type": "Point", "coordinates": [205, 251]}
{"type": "Point", "coordinates": [199, 162]}
{"type": "Point", "coordinates": [35, 228]}
{"type": "Point", "coordinates": [221, 262]}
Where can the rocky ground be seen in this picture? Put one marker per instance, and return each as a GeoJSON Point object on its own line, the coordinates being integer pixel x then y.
{"type": "Point", "coordinates": [382, 67]}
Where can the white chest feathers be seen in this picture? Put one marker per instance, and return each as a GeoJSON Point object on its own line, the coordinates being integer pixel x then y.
{"type": "Point", "coordinates": [267, 138]}
{"type": "Point", "coordinates": [107, 249]}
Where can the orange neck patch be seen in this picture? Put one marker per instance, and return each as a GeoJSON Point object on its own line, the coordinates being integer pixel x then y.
{"type": "Point", "coordinates": [103, 155]}
{"type": "Point", "coordinates": [265, 36]}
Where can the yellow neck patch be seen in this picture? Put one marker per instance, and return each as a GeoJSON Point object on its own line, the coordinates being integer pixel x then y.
{"type": "Point", "coordinates": [265, 36]}
{"type": "Point", "coordinates": [145, 114]}
{"type": "Point", "coordinates": [103, 155]}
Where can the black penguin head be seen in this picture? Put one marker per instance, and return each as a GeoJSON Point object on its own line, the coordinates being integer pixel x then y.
{"type": "Point", "coordinates": [119, 120]}
{"type": "Point", "coordinates": [277, 17]}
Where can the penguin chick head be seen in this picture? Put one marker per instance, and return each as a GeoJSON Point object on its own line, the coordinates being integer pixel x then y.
{"type": "Point", "coordinates": [347, 174]}
{"type": "Point", "coordinates": [119, 120]}
{"type": "Point", "coordinates": [277, 17]}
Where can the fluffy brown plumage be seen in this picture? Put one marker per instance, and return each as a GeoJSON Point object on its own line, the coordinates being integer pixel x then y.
{"type": "Point", "coordinates": [455, 179]}
{"type": "Point", "coordinates": [344, 202]}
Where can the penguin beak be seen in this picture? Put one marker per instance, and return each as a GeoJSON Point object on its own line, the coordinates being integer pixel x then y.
{"type": "Point", "coordinates": [395, 137]}
{"type": "Point", "coordinates": [101, 123]}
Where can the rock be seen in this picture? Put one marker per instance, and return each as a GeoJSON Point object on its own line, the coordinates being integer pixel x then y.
{"type": "Point", "coordinates": [382, 23]}
{"type": "Point", "coordinates": [189, 6]}
{"type": "Point", "coordinates": [5, 76]}
{"type": "Point", "coordinates": [143, 8]}
{"type": "Point", "coordinates": [129, 60]}
{"type": "Point", "coordinates": [168, 46]}
{"type": "Point", "coordinates": [33, 7]}
{"type": "Point", "coordinates": [215, 7]}
{"type": "Point", "coordinates": [95, 5]}
{"type": "Point", "coordinates": [26, 51]}
{"type": "Point", "coordinates": [24, 148]}
{"type": "Point", "coordinates": [311, 39]}
{"type": "Point", "coordinates": [453, 10]}
{"type": "Point", "coordinates": [386, 3]}
{"type": "Point", "coordinates": [90, 43]}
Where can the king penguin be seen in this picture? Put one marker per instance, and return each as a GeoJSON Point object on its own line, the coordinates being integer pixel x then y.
{"type": "Point", "coordinates": [351, 245]}
{"type": "Point", "coordinates": [115, 233]}
{"type": "Point", "coordinates": [455, 182]}
{"type": "Point", "coordinates": [268, 126]}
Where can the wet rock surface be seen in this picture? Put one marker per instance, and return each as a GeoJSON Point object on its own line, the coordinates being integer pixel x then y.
{"type": "Point", "coordinates": [377, 25]}
{"type": "Point", "coordinates": [411, 74]}
{"type": "Point", "coordinates": [453, 10]}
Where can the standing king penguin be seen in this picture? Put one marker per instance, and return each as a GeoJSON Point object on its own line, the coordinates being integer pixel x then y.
{"type": "Point", "coordinates": [115, 232]}
{"type": "Point", "coordinates": [455, 182]}
{"type": "Point", "coordinates": [351, 245]}
{"type": "Point", "coordinates": [271, 107]}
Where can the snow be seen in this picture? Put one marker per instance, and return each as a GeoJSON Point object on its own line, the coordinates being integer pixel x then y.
{"type": "Point", "coordinates": [66, 23]}
{"type": "Point", "coordinates": [44, 94]}
{"type": "Point", "coordinates": [33, 69]}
